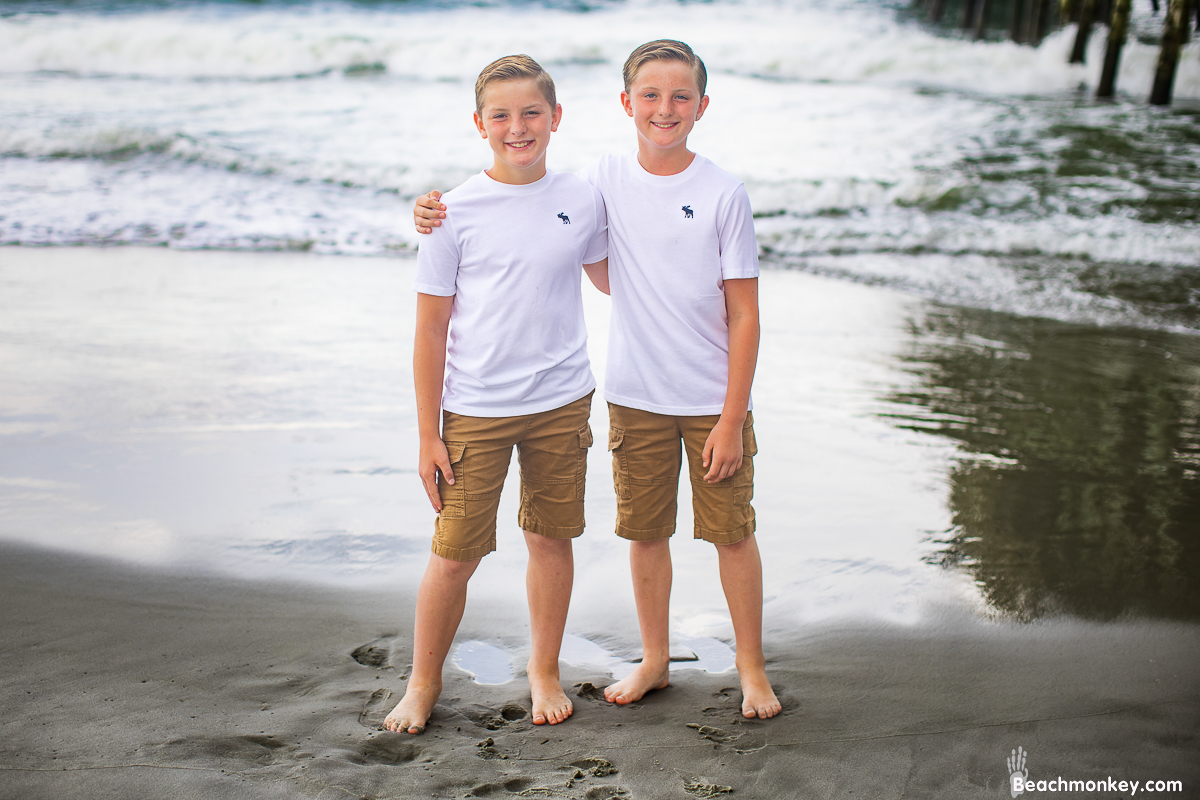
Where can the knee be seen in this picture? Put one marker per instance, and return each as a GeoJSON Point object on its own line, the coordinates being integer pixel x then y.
{"type": "Point", "coordinates": [545, 545]}
{"type": "Point", "coordinates": [744, 546]}
{"type": "Point", "coordinates": [453, 571]}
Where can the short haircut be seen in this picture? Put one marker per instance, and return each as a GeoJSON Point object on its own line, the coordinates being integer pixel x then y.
{"type": "Point", "coordinates": [664, 50]}
{"type": "Point", "coordinates": [513, 68]}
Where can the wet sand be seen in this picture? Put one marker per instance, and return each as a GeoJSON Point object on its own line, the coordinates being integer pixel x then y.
{"type": "Point", "coordinates": [124, 682]}
{"type": "Point", "coordinates": [207, 419]}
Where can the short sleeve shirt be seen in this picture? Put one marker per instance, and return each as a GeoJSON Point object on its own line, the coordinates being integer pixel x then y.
{"type": "Point", "coordinates": [673, 242]}
{"type": "Point", "coordinates": [511, 256]}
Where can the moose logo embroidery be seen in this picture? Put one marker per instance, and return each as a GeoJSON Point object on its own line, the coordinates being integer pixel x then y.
{"type": "Point", "coordinates": [566, 220]}
{"type": "Point", "coordinates": [687, 212]}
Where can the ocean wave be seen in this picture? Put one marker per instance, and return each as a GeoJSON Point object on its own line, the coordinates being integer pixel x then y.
{"type": "Point", "coordinates": [807, 42]}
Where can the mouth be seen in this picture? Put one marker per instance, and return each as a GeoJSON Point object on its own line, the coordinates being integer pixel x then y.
{"type": "Point", "coordinates": [664, 126]}
{"type": "Point", "coordinates": [520, 145]}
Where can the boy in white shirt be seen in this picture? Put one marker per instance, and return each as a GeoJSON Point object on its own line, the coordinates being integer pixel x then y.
{"type": "Point", "coordinates": [500, 315]}
{"type": "Point", "coordinates": [682, 352]}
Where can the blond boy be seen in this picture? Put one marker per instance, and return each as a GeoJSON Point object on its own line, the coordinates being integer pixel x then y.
{"type": "Point", "coordinates": [683, 274]}
{"type": "Point", "coordinates": [500, 316]}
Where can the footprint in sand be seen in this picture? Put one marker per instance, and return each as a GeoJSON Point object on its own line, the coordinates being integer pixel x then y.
{"type": "Point", "coordinates": [389, 750]}
{"type": "Point", "coordinates": [376, 709]}
{"type": "Point", "coordinates": [376, 653]}
{"type": "Point", "coordinates": [700, 787]}
{"type": "Point", "coordinates": [494, 719]}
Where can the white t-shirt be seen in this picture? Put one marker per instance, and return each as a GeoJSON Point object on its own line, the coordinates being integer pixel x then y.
{"type": "Point", "coordinates": [673, 242]}
{"type": "Point", "coordinates": [511, 256]}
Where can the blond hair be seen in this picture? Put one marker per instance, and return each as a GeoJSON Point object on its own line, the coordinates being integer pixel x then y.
{"type": "Point", "coordinates": [664, 50]}
{"type": "Point", "coordinates": [512, 68]}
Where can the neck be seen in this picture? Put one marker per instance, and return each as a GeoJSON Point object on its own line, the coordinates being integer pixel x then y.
{"type": "Point", "coordinates": [503, 173]}
{"type": "Point", "coordinates": [664, 162]}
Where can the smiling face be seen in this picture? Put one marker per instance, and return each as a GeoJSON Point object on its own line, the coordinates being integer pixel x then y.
{"type": "Point", "coordinates": [517, 120]}
{"type": "Point", "coordinates": [665, 102]}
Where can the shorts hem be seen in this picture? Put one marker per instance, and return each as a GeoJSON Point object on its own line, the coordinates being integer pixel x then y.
{"type": "Point", "coordinates": [649, 535]}
{"type": "Point", "coordinates": [461, 553]}
{"type": "Point", "coordinates": [726, 537]}
{"type": "Point", "coordinates": [551, 532]}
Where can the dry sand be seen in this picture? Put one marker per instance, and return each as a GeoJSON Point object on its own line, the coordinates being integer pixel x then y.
{"type": "Point", "coordinates": [127, 683]}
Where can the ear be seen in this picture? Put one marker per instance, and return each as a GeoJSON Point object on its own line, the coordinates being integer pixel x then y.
{"type": "Point", "coordinates": [700, 109]}
{"type": "Point", "coordinates": [479, 125]}
{"type": "Point", "coordinates": [627, 102]}
{"type": "Point", "coordinates": [556, 118]}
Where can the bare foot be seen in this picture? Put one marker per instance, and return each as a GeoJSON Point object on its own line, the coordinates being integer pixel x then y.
{"type": "Point", "coordinates": [412, 712]}
{"type": "Point", "coordinates": [633, 687]}
{"type": "Point", "coordinates": [550, 703]}
{"type": "Point", "coordinates": [758, 698]}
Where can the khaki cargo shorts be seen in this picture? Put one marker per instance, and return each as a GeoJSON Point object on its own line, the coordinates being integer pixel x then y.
{"type": "Point", "coordinates": [552, 450]}
{"type": "Point", "coordinates": [646, 461]}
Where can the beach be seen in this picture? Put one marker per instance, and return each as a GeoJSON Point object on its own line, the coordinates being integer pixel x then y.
{"type": "Point", "coordinates": [212, 536]}
{"type": "Point", "coordinates": [122, 682]}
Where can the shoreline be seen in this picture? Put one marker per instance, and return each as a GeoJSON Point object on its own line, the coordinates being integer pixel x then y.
{"type": "Point", "coordinates": [129, 682]}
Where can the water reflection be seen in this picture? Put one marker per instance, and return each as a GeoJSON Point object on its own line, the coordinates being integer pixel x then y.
{"type": "Point", "coordinates": [1077, 489]}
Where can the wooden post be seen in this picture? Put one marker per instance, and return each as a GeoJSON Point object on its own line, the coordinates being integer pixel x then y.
{"type": "Point", "coordinates": [968, 14]}
{"type": "Point", "coordinates": [1079, 51]}
{"type": "Point", "coordinates": [1118, 29]}
{"type": "Point", "coordinates": [1043, 20]}
{"type": "Point", "coordinates": [1016, 29]}
{"type": "Point", "coordinates": [982, 9]}
{"type": "Point", "coordinates": [1033, 23]}
{"type": "Point", "coordinates": [937, 9]}
{"type": "Point", "coordinates": [1168, 56]}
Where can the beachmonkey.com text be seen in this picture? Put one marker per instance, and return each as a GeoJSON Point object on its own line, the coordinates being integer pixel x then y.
{"type": "Point", "coordinates": [1021, 784]}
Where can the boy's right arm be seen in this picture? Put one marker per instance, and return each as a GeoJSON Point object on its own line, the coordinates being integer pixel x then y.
{"type": "Point", "coordinates": [427, 212]}
{"type": "Point", "coordinates": [429, 367]}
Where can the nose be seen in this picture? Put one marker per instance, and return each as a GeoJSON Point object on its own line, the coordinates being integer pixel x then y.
{"type": "Point", "coordinates": [664, 107]}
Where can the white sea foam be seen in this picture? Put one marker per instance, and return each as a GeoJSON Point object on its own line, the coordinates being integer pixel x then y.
{"type": "Point", "coordinates": [295, 127]}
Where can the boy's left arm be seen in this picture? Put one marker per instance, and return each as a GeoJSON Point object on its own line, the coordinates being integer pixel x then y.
{"type": "Point", "coordinates": [723, 449]}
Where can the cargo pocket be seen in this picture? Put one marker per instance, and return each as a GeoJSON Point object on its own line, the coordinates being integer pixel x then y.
{"type": "Point", "coordinates": [743, 479]}
{"type": "Point", "coordinates": [616, 442]}
{"type": "Point", "coordinates": [454, 497]}
{"type": "Point", "coordinates": [585, 442]}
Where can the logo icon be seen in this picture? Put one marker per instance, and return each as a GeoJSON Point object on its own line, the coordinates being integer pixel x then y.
{"type": "Point", "coordinates": [566, 220]}
{"type": "Point", "coordinates": [1018, 773]}
{"type": "Point", "coordinates": [687, 212]}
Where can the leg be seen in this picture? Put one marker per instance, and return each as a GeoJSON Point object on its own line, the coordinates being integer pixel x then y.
{"type": "Point", "coordinates": [646, 461]}
{"type": "Point", "coordinates": [650, 563]}
{"type": "Point", "coordinates": [548, 580]}
{"type": "Point", "coordinates": [440, 604]}
{"type": "Point", "coordinates": [741, 578]}
{"type": "Point", "coordinates": [553, 457]}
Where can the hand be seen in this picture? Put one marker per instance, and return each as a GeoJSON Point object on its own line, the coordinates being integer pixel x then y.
{"type": "Point", "coordinates": [434, 459]}
{"type": "Point", "coordinates": [427, 212]}
{"type": "Point", "coordinates": [722, 452]}
{"type": "Point", "coordinates": [1018, 770]}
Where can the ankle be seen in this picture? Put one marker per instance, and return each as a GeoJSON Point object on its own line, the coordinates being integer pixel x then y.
{"type": "Point", "coordinates": [750, 663]}
{"type": "Point", "coordinates": [542, 669]}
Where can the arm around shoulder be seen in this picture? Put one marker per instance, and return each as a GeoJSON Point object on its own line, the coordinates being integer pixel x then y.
{"type": "Point", "coordinates": [428, 212]}
{"type": "Point", "coordinates": [598, 274]}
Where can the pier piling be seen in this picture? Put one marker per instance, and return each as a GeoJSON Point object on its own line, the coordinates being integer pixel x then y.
{"type": "Point", "coordinates": [1118, 29]}
{"type": "Point", "coordinates": [1175, 22]}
